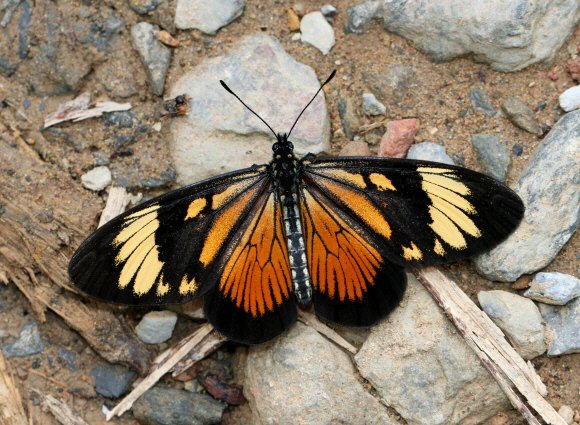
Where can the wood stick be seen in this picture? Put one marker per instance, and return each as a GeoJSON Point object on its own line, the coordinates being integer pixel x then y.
{"type": "Point", "coordinates": [312, 321]}
{"type": "Point", "coordinates": [11, 407]}
{"type": "Point", "coordinates": [207, 346]}
{"type": "Point", "coordinates": [116, 204]}
{"type": "Point", "coordinates": [169, 361]}
{"type": "Point", "coordinates": [489, 343]}
{"type": "Point", "coordinates": [61, 411]}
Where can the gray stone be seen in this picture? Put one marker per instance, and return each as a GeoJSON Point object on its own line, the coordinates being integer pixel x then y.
{"type": "Point", "coordinates": [170, 406]}
{"type": "Point", "coordinates": [304, 378]}
{"type": "Point", "coordinates": [508, 35]}
{"type": "Point", "coordinates": [97, 179]}
{"type": "Point", "coordinates": [121, 119]}
{"type": "Point", "coordinates": [68, 358]}
{"type": "Point", "coordinates": [371, 106]}
{"type": "Point", "coordinates": [480, 102]}
{"type": "Point", "coordinates": [317, 32]}
{"type": "Point", "coordinates": [553, 288]}
{"type": "Point", "coordinates": [155, 56]}
{"type": "Point", "coordinates": [519, 318]}
{"type": "Point", "coordinates": [492, 153]}
{"type": "Point", "coordinates": [348, 117]}
{"type": "Point", "coordinates": [111, 381]}
{"type": "Point", "coordinates": [220, 135]}
{"type": "Point", "coordinates": [144, 6]}
{"type": "Point", "coordinates": [570, 99]}
{"type": "Point", "coordinates": [28, 343]}
{"type": "Point", "coordinates": [360, 15]}
{"type": "Point", "coordinates": [328, 10]}
{"type": "Point", "coordinates": [420, 365]}
{"type": "Point", "coordinates": [549, 188]}
{"type": "Point", "coordinates": [428, 151]}
{"type": "Point", "coordinates": [521, 115]}
{"type": "Point", "coordinates": [207, 16]}
{"type": "Point", "coordinates": [392, 84]}
{"type": "Point", "coordinates": [156, 326]}
{"type": "Point", "coordinates": [563, 327]}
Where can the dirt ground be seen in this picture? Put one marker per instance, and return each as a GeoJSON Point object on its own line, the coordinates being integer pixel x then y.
{"type": "Point", "coordinates": [438, 97]}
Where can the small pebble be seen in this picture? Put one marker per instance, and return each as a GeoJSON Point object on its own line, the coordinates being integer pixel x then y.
{"type": "Point", "coordinates": [156, 126]}
{"type": "Point", "coordinates": [155, 56]}
{"type": "Point", "coordinates": [111, 381]}
{"type": "Point", "coordinates": [97, 179]}
{"type": "Point", "coordinates": [355, 148]}
{"type": "Point", "coordinates": [567, 414]}
{"type": "Point", "coordinates": [207, 16]}
{"type": "Point", "coordinates": [156, 326]}
{"type": "Point", "coordinates": [399, 136]}
{"type": "Point", "coordinates": [328, 10]}
{"type": "Point", "coordinates": [573, 68]}
{"type": "Point", "coordinates": [299, 9]}
{"type": "Point", "coordinates": [480, 102]}
{"type": "Point", "coordinates": [317, 31]}
{"type": "Point", "coordinates": [553, 288]}
{"type": "Point", "coordinates": [521, 115]}
{"type": "Point", "coordinates": [492, 153]}
{"type": "Point", "coordinates": [517, 149]}
{"type": "Point", "coordinates": [570, 99]}
{"type": "Point", "coordinates": [348, 117]}
{"type": "Point", "coordinates": [563, 327]}
{"type": "Point", "coordinates": [28, 343]}
{"type": "Point", "coordinates": [296, 36]}
{"type": "Point", "coordinates": [371, 106]}
{"type": "Point", "coordinates": [144, 6]}
{"type": "Point", "coordinates": [428, 151]}
{"type": "Point", "coordinates": [293, 20]}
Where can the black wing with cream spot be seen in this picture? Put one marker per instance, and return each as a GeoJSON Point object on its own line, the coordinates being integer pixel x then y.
{"type": "Point", "coordinates": [169, 249]}
{"type": "Point", "coordinates": [423, 213]}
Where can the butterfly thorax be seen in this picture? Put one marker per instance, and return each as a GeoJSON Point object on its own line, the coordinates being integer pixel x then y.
{"type": "Point", "coordinates": [284, 174]}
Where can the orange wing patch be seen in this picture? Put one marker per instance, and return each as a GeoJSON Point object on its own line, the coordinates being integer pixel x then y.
{"type": "Point", "coordinates": [341, 262]}
{"type": "Point", "coordinates": [257, 274]}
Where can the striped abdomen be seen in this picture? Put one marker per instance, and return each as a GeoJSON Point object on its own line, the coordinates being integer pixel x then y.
{"type": "Point", "coordinates": [296, 249]}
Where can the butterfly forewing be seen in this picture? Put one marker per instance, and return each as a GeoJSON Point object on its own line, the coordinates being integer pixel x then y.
{"type": "Point", "coordinates": [424, 213]}
{"type": "Point", "coordinates": [167, 250]}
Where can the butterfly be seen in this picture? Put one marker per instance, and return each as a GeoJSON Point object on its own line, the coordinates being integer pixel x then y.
{"type": "Point", "coordinates": [333, 232]}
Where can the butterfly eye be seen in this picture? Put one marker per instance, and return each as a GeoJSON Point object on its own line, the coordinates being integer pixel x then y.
{"type": "Point", "coordinates": [290, 145]}
{"type": "Point", "coordinates": [276, 147]}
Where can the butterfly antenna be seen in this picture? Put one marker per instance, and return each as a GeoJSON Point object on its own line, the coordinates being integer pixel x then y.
{"type": "Point", "coordinates": [225, 86]}
{"type": "Point", "coordinates": [330, 77]}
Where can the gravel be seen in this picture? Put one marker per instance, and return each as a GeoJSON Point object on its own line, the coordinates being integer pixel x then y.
{"type": "Point", "coordinates": [97, 179]}
{"type": "Point", "coordinates": [553, 288]}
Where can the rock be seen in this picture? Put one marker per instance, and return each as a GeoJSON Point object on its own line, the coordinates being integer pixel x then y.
{"type": "Point", "coordinates": [439, 379]}
{"type": "Point", "coordinates": [348, 117]}
{"type": "Point", "coordinates": [28, 343]}
{"type": "Point", "coordinates": [360, 15]}
{"type": "Point", "coordinates": [563, 327]}
{"type": "Point", "coordinates": [570, 99]}
{"type": "Point", "coordinates": [355, 148]}
{"type": "Point", "coordinates": [111, 381]}
{"type": "Point", "coordinates": [519, 318]}
{"type": "Point", "coordinates": [549, 189]}
{"type": "Point", "coordinates": [573, 68]}
{"type": "Point", "coordinates": [97, 179]}
{"type": "Point", "coordinates": [207, 16]}
{"type": "Point", "coordinates": [371, 106]}
{"type": "Point", "coordinates": [553, 288]}
{"type": "Point", "coordinates": [398, 137]}
{"type": "Point", "coordinates": [517, 149]}
{"type": "Point", "coordinates": [567, 414]}
{"type": "Point", "coordinates": [156, 326]}
{"type": "Point", "coordinates": [134, 179]}
{"type": "Point", "coordinates": [169, 406]}
{"type": "Point", "coordinates": [143, 7]}
{"type": "Point", "coordinates": [507, 35]}
{"type": "Point", "coordinates": [428, 151]}
{"type": "Point", "coordinates": [480, 102]}
{"type": "Point", "coordinates": [521, 115]}
{"type": "Point", "coordinates": [154, 55]}
{"type": "Point", "coordinates": [328, 10]}
{"type": "Point", "coordinates": [391, 84]}
{"type": "Point", "coordinates": [293, 19]}
{"type": "Point", "coordinates": [220, 135]}
{"type": "Point", "coordinates": [121, 119]}
{"type": "Point", "coordinates": [68, 358]}
{"type": "Point", "coordinates": [317, 31]}
{"type": "Point", "coordinates": [312, 378]}
{"type": "Point", "coordinates": [492, 153]}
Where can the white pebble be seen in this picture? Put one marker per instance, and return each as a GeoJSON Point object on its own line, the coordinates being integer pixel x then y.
{"type": "Point", "coordinates": [570, 99]}
{"type": "Point", "coordinates": [567, 414]}
{"type": "Point", "coordinates": [317, 31]}
{"type": "Point", "coordinates": [156, 326]}
{"type": "Point", "coordinates": [328, 10]}
{"type": "Point", "coordinates": [371, 106]}
{"type": "Point", "coordinates": [97, 179]}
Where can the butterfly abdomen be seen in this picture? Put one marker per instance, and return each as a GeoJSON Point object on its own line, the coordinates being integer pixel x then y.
{"type": "Point", "coordinates": [296, 249]}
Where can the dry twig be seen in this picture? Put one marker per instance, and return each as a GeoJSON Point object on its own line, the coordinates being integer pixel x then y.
{"type": "Point", "coordinates": [11, 407]}
{"type": "Point", "coordinates": [489, 343]}
{"type": "Point", "coordinates": [61, 411]}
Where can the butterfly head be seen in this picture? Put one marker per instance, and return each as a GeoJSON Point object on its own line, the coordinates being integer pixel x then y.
{"type": "Point", "coordinates": [283, 148]}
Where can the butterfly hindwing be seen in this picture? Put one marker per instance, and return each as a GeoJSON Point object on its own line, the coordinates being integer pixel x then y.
{"type": "Point", "coordinates": [167, 250]}
{"type": "Point", "coordinates": [252, 301]}
{"type": "Point", "coordinates": [424, 213]}
{"type": "Point", "coordinates": [354, 284]}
